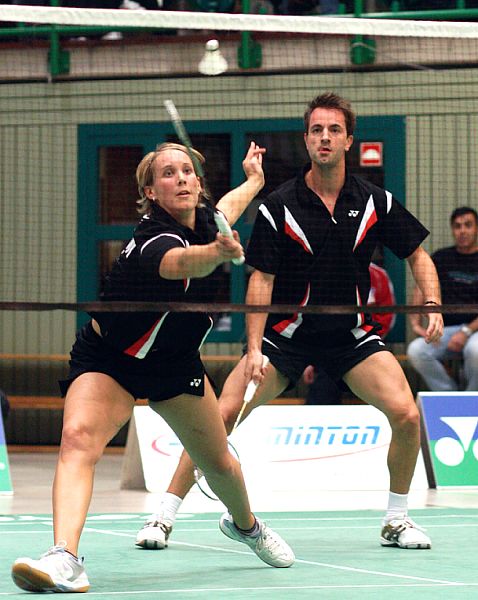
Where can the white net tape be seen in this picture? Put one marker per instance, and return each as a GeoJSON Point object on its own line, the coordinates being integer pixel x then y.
{"type": "Point", "coordinates": [236, 22]}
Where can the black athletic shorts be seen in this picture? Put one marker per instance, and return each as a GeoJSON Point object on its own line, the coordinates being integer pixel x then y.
{"type": "Point", "coordinates": [291, 358]}
{"type": "Point", "coordinates": [152, 378]}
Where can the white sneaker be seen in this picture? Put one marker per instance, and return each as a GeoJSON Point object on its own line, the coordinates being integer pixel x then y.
{"type": "Point", "coordinates": [55, 571]}
{"type": "Point", "coordinates": [404, 533]}
{"type": "Point", "coordinates": [268, 545]}
{"type": "Point", "coordinates": [154, 534]}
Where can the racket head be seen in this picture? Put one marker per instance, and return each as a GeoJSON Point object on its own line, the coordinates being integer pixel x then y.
{"type": "Point", "coordinates": [201, 481]}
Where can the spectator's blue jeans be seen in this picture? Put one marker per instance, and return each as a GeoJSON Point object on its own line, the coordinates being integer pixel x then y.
{"type": "Point", "coordinates": [427, 360]}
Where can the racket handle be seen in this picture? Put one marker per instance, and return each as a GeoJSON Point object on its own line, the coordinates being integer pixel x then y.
{"type": "Point", "coordinates": [249, 394]}
{"type": "Point", "coordinates": [225, 229]}
{"type": "Point", "coordinates": [251, 386]}
{"type": "Point", "coordinates": [239, 417]}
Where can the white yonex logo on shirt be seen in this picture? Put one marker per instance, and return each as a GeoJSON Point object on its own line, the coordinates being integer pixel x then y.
{"type": "Point", "coordinates": [195, 382]}
{"type": "Point", "coordinates": [353, 213]}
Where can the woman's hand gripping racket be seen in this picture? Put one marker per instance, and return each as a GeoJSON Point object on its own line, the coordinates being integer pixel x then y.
{"type": "Point", "coordinates": [219, 218]}
{"type": "Point", "coordinates": [225, 229]}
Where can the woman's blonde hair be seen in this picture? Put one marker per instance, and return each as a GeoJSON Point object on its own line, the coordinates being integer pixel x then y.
{"type": "Point", "coordinates": [145, 174]}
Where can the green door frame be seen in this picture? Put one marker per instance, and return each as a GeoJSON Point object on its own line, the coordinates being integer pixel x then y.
{"type": "Point", "coordinates": [91, 137]}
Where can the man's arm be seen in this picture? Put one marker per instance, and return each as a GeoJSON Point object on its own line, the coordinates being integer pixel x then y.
{"type": "Point", "coordinates": [426, 278]}
{"type": "Point", "coordinates": [259, 291]}
{"type": "Point", "coordinates": [416, 318]}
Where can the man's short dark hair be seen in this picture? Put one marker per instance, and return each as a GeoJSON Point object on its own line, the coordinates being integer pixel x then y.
{"type": "Point", "coordinates": [332, 101]}
{"type": "Point", "coordinates": [463, 210]}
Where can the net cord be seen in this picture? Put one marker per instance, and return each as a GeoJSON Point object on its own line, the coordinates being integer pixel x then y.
{"type": "Point", "coordinates": [237, 22]}
{"type": "Point", "coordinates": [160, 307]}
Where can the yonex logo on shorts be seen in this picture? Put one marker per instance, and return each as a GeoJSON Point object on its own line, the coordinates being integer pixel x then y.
{"type": "Point", "coordinates": [195, 382]}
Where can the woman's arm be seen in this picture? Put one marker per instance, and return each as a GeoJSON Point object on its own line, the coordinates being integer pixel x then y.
{"type": "Point", "coordinates": [234, 203]}
{"type": "Point", "coordinates": [199, 260]}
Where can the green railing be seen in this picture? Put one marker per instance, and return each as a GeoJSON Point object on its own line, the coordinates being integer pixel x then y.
{"type": "Point", "coordinates": [362, 49]}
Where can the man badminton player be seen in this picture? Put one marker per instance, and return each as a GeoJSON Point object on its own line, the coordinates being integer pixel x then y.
{"type": "Point", "coordinates": [312, 244]}
{"type": "Point", "coordinates": [127, 355]}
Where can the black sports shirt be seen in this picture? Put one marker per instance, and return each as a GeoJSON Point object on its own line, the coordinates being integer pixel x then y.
{"type": "Point", "coordinates": [458, 275]}
{"type": "Point", "coordinates": [135, 277]}
{"type": "Point", "coordinates": [318, 259]}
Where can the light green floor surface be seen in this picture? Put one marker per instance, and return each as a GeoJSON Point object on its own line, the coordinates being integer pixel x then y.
{"type": "Point", "coordinates": [338, 557]}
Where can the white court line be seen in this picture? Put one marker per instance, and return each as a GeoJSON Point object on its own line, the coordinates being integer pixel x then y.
{"type": "Point", "coordinates": [13, 520]}
{"type": "Point", "coordinates": [304, 562]}
{"type": "Point", "coordinates": [283, 588]}
{"type": "Point", "coordinates": [263, 588]}
{"type": "Point", "coordinates": [126, 532]}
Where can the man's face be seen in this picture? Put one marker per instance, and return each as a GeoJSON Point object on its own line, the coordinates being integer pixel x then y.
{"type": "Point", "coordinates": [327, 140]}
{"type": "Point", "coordinates": [465, 232]}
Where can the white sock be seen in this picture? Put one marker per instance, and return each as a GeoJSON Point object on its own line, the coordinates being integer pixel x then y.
{"type": "Point", "coordinates": [169, 507]}
{"type": "Point", "coordinates": [397, 507]}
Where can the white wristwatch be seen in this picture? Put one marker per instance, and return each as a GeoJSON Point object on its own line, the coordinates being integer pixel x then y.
{"type": "Point", "coordinates": [466, 330]}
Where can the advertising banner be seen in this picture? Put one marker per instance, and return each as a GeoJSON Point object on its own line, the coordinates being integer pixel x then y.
{"type": "Point", "coordinates": [281, 448]}
{"type": "Point", "coordinates": [450, 443]}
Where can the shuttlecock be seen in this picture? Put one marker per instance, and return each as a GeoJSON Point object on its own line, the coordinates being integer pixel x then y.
{"type": "Point", "coordinates": [213, 62]}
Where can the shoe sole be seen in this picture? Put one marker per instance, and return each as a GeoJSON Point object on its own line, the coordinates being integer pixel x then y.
{"type": "Point", "coordinates": [388, 544]}
{"type": "Point", "coordinates": [151, 545]}
{"type": "Point", "coordinates": [32, 580]}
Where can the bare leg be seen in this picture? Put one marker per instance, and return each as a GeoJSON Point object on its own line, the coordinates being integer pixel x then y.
{"type": "Point", "coordinates": [96, 407]}
{"type": "Point", "coordinates": [232, 396]}
{"type": "Point", "coordinates": [199, 426]}
{"type": "Point", "coordinates": [380, 381]}
{"type": "Point", "coordinates": [230, 403]}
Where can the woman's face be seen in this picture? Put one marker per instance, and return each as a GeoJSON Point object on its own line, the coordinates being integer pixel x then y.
{"type": "Point", "coordinates": [175, 186]}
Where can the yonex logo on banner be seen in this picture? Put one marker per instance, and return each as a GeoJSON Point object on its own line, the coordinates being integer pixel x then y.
{"type": "Point", "coordinates": [451, 424]}
{"type": "Point", "coordinates": [452, 451]}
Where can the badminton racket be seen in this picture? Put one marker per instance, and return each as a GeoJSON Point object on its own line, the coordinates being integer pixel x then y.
{"type": "Point", "coordinates": [249, 395]}
{"type": "Point", "coordinates": [219, 218]}
{"type": "Point", "coordinates": [201, 481]}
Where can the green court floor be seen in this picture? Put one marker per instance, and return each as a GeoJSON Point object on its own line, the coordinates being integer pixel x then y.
{"type": "Point", "coordinates": [338, 557]}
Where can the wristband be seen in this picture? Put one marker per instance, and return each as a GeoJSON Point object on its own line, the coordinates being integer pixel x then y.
{"type": "Point", "coordinates": [466, 330]}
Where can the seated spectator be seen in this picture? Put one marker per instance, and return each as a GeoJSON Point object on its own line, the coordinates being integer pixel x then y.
{"type": "Point", "coordinates": [322, 389]}
{"type": "Point", "coordinates": [457, 268]}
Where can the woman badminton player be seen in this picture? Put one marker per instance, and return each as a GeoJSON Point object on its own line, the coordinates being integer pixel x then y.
{"type": "Point", "coordinates": [118, 357]}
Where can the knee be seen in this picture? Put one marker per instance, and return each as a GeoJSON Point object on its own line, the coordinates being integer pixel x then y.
{"type": "Point", "coordinates": [416, 350]}
{"type": "Point", "coordinates": [406, 419]}
{"type": "Point", "coordinates": [221, 466]}
{"type": "Point", "coordinates": [77, 438]}
{"type": "Point", "coordinates": [470, 353]}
